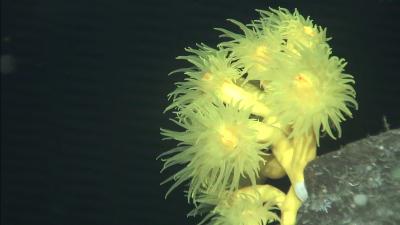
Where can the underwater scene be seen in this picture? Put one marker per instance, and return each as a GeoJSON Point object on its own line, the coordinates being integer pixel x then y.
{"type": "Point", "coordinates": [200, 112]}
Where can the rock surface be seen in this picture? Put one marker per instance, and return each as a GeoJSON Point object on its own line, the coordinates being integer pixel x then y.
{"type": "Point", "coordinates": [356, 185]}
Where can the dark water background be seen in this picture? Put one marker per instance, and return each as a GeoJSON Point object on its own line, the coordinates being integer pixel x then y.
{"type": "Point", "coordinates": [84, 88]}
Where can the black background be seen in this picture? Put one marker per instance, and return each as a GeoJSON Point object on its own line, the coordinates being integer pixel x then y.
{"type": "Point", "coordinates": [81, 112]}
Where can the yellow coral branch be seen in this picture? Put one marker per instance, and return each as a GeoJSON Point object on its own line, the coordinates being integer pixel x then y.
{"type": "Point", "coordinates": [289, 208]}
{"type": "Point", "coordinates": [230, 92]}
{"type": "Point", "coordinates": [230, 123]}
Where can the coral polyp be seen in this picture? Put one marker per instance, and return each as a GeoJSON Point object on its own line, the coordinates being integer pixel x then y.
{"type": "Point", "coordinates": [311, 91]}
{"type": "Point", "coordinates": [218, 148]}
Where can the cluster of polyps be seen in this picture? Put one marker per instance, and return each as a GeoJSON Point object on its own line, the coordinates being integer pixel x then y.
{"type": "Point", "coordinates": [254, 107]}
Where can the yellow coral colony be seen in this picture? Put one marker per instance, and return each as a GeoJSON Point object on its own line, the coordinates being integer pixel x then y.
{"type": "Point", "coordinates": [253, 107]}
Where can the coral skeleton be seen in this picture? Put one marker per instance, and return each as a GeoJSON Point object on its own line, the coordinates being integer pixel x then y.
{"type": "Point", "coordinates": [255, 107]}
